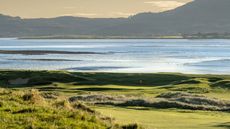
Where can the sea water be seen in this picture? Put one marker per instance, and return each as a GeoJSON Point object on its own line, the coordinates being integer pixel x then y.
{"type": "Point", "coordinates": [121, 55]}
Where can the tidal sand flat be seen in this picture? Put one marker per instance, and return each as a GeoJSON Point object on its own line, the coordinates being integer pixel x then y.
{"type": "Point", "coordinates": [42, 52]}
{"type": "Point", "coordinates": [117, 55]}
{"type": "Point", "coordinates": [43, 60]}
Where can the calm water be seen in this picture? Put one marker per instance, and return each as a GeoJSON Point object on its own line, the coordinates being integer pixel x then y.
{"type": "Point", "coordinates": [185, 56]}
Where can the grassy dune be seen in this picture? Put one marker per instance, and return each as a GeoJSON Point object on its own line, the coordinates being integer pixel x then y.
{"type": "Point", "coordinates": [146, 99]}
{"type": "Point", "coordinates": [31, 109]}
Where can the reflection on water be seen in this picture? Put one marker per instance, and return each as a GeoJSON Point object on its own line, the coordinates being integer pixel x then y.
{"type": "Point", "coordinates": [186, 56]}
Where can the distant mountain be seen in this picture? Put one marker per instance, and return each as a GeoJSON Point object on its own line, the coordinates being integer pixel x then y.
{"type": "Point", "coordinates": [199, 16]}
{"type": "Point", "coordinates": [203, 16]}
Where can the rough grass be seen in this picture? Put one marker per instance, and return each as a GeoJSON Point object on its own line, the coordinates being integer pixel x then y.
{"type": "Point", "coordinates": [191, 101]}
{"type": "Point", "coordinates": [29, 109]}
{"type": "Point", "coordinates": [222, 84]}
{"type": "Point", "coordinates": [37, 77]}
{"type": "Point", "coordinates": [180, 100]}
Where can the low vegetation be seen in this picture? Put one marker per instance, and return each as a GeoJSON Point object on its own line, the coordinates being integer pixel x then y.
{"type": "Point", "coordinates": [178, 100]}
{"type": "Point", "coordinates": [33, 109]}
{"type": "Point", "coordinates": [75, 100]}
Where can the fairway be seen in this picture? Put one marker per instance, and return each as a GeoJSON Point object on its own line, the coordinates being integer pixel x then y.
{"type": "Point", "coordinates": [169, 119]}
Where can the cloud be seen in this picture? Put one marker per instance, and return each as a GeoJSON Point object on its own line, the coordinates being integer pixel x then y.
{"type": "Point", "coordinates": [69, 7]}
{"type": "Point", "coordinates": [85, 8]}
{"type": "Point", "coordinates": [165, 4]}
{"type": "Point", "coordinates": [123, 14]}
{"type": "Point", "coordinates": [80, 14]}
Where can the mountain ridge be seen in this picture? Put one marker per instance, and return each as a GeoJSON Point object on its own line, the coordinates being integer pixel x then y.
{"type": "Point", "coordinates": [199, 16]}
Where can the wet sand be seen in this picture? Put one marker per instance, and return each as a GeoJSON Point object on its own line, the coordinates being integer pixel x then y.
{"type": "Point", "coordinates": [40, 52]}
{"type": "Point", "coordinates": [44, 60]}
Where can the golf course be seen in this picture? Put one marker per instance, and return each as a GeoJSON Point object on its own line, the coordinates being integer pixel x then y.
{"type": "Point", "coordinates": [52, 99]}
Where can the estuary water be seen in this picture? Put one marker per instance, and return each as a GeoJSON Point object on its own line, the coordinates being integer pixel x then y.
{"type": "Point", "coordinates": [118, 55]}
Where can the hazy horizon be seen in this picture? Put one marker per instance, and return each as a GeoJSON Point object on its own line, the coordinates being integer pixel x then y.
{"type": "Point", "coordinates": [87, 8]}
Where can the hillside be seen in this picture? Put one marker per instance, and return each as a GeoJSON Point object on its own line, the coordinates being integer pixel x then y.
{"type": "Point", "coordinates": [204, 16]}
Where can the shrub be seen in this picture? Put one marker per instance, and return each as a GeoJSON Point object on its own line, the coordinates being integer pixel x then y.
{"type": "Point", "coordinates": [130, 126]}
{"type": "Point", "coordinates": [83, 107]}
{"type": "Point", "coordinates": [1, 104]}
{"type": "Point", "coordinates": [27, 110]}
{"type": "Point", "coordinates": [63, 104]}
{"type": "Point", "coordinates": [178, 100]}
{"type": "Point", "coordinates": [33, 96]}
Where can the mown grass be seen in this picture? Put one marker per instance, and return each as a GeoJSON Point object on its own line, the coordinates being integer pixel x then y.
{"type": "Point", "coordinates": [168, 118]}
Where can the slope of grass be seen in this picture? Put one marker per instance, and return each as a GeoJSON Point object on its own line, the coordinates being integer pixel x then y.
{"type": "Point", "coordinates": [29, 109]}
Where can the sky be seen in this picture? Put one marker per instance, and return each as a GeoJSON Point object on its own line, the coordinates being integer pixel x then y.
{"type": "Point", "coordinates": [85, 8]}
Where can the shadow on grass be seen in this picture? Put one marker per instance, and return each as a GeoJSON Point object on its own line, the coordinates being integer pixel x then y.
{"type": "Point", "coordinates": [134, 79]}
{"type": "Point", "coordinates": [222, 84]}
{"type": "Point", "coordinates": [101, 89]}
{"type": "Point", "coordinates": [214, 79]}
{"type": "Point", "coordinates": [71, 90]}
{"type": "Point", "coordinates": [224, 125]}
{"type": "Point", "coordinates": [139, 108]}
{"type": "Point", "coordinates": [36, 78]}
{"type": "Point", "coordinates": [41, 78]}
{"type": "Point", "coordinates": [50, 88]}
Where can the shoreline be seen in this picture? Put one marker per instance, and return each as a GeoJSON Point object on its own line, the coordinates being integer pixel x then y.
{"type": "Point", "coordinates": [114, 73]}
{"type": "Point", "coordinates": [109, 72]}
{"type": "Point", "coordinates": [123, 38]}
{"type": "Point", "coordinates": [108, 38]}
{"type": "Point", "coordinates": [41, 52]}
